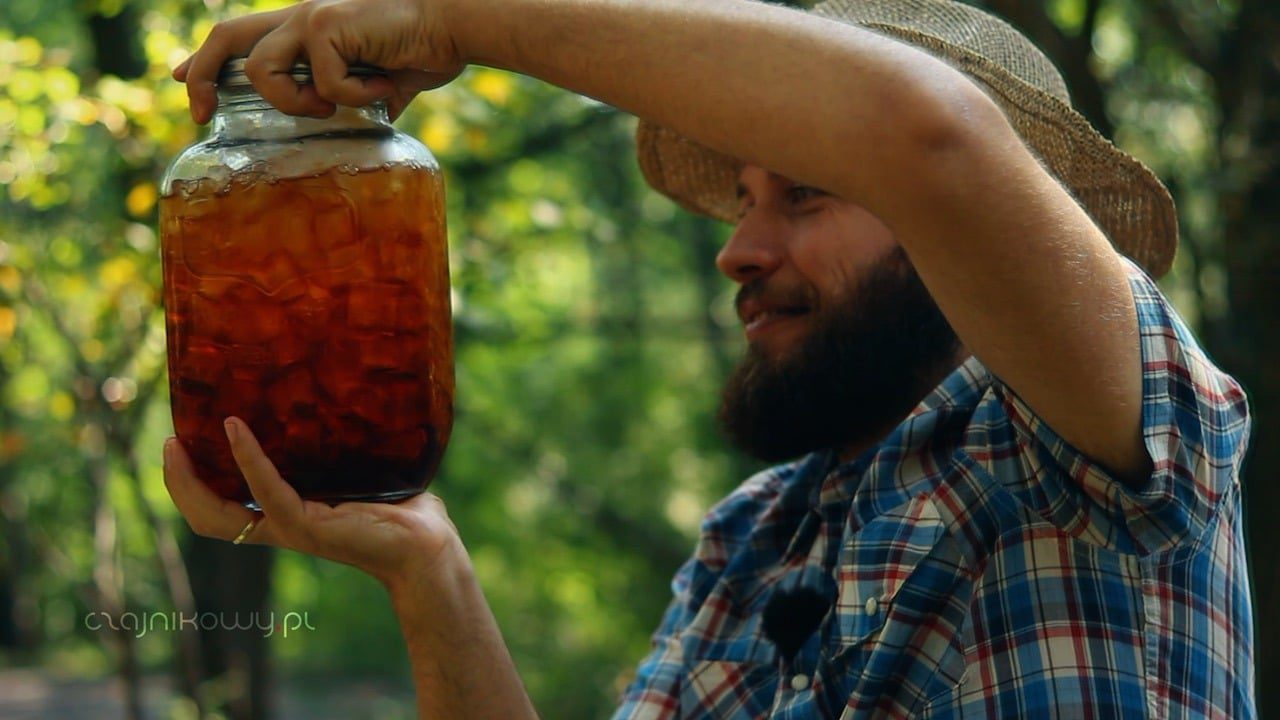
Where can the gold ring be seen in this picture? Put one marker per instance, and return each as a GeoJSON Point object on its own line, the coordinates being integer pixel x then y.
{"type": "Point", "coordinates": [247, 529]}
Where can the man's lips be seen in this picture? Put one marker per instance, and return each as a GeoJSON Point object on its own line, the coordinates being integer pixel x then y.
{"type": "Point", "coordinates": [763, 320]}
{"type": "Point", "coordinates": [762, 308]}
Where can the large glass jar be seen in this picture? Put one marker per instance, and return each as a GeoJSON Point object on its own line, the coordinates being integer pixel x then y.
{"type": "Point", "coordinates": [306, 291]}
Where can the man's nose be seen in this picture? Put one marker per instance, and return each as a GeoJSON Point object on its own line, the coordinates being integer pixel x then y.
{"type": "Point", "coordinates": [754, 250]}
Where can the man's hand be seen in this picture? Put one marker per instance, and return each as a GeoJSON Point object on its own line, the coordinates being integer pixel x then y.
{"type": "Point", "coordinates": [461, 666]}
{"type": "Point", "coordinates": [408, 38]}
{"type": "Point", "coordinates": [395, 543]}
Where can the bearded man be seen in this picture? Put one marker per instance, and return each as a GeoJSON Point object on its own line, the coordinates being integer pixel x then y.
{"type": "Point", "coordinates": [1011, 485]}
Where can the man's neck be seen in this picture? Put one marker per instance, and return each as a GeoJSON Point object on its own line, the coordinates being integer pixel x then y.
{"type": "Point", "coordinates": [850, 451]}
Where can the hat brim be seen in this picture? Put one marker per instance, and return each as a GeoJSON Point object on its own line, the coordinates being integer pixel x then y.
{"type": "Point", "coordinates": [1124, 197]}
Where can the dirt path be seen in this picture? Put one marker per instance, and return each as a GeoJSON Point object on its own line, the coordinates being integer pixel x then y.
{"type": "Point", "coordinates": [35, 695]}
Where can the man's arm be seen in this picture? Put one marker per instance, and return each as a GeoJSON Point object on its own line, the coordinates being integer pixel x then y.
{"type": "Point", "coordinates": [461, 665]}
{"type": "Point", "coordinates": [1030, 284]}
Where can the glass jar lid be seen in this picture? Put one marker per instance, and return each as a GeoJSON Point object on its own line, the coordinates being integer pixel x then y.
{"type": "Point", "coordinates": [232, 74]}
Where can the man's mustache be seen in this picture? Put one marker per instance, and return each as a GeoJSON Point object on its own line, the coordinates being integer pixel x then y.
{"type": "Point", "coordinates": [803, 295]}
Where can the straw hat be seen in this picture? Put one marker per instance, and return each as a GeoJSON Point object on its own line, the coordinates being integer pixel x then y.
{"type": "Point", "coordinates": [1122, 195]}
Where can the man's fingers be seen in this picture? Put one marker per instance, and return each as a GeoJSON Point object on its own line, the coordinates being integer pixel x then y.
{"type": "Point", "coordinates": [206, 512]}
{"type": "Point", "coordinates": [277, 498]}
{"type": "Point", "coordinates": [180, 73]}
{"type": "Point", "coordinates": [270, 69]}
{"type": "Point", "coordinates": [408, 83]}
{"type": "Point", "coordinates": [226, 40]}
{"type": "Point", "coordinates": [329, 73]}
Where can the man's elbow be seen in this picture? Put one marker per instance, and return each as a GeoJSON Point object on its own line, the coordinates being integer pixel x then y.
{"type": "Point", "coordinates": [936, 134]}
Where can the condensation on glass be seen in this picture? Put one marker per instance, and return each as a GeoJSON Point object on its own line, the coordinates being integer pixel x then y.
{"type": "Point", "coordinates": [306, 291]}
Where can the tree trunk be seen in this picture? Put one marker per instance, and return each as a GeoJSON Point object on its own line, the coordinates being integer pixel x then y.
{"type": "Point", "coordinates": [230, 584]}
{"type": "Point", "coordinates": [1250, 208]}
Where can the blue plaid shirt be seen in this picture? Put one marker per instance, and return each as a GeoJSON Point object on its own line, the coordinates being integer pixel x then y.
{"type": "Point", "coordinates": [982, 567]}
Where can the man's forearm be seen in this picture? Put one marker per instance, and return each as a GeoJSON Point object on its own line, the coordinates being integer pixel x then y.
{"type": "Point", "coordinates": [821, 102]}
{"type": "Point", "coordinates": [461, 666]}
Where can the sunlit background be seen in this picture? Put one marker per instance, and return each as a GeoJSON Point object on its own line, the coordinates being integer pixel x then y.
{"type": "Point", "coordinates": [593, 333]}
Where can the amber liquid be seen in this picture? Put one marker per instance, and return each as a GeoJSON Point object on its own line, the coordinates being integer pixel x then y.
{"type": "Point", "coordinates": [315, 309]}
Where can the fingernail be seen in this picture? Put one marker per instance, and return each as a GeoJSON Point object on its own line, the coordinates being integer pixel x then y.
{"type": "Point", "coordinates": [231, 430]}
{"type": "Point", "coordinates": [168, 452]}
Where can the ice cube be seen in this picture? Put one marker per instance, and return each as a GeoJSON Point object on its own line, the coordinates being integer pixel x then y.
{"type": "Point", "coordinates": [338, 370]}
{"type": "Point", "coordinates": [310, 313]}
{"type": "Point", "coordinates": [283, 221]}
{"type": "Point", "coordinates": [241, 398]}
{"type": "Point", "coordinates": [387, 306]}
{"type": "Point", "coordinates": [210, 320]}
{"type": "Point", "coordinates": [335, 228]}
{"type": "Point", "coordinates": [403, 445]}
{"type": "Point", "coordinates": [411, 310]}
{"type": "Point", "coordinates": [201, 362]}
{"type": "Point", "coordinates": [249, 363]}
{"type": "Point", "coordinates": [206, 238]}
{"type": "Point", "coordinates": [291, 347]}
{"type": "Point", "coordinates": [391, 404]}
{"type": "Point", "coordinates": [253, 324]}
{"type": "Point", "coordinates": [371, 405]}
{"type": "Point", "coordinates": [342, 429]}
{"type": "Point", "coordinates": [294, 393]}
{"type": "Point", "coordinates": [412, 399]}
{"type": "Point", "coordinates": [217, 287]}
{"type": "Point", "coordinates": [303, 436]}
{"type": "Point", "coordinates": [335, 215]}
{"type": "Point", "coordinates": [373, 305]}
{"type": "Point", "coordinates": [191, 408]}
{"type": "Point", "coordinates": [277, 275]}
{"type": "Point", "coordinates": [403, 257]}
{"type": "Point", "coordinates": [384, 351]}
{"type": "Point", "coordinates": [291, 290]}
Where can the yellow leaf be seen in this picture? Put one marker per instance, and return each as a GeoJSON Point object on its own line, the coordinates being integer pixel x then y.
{"type": "Point", "coordinates": [141, 199]}
{"type": "Point", "coordinates": [61, 406]}
{"type": "Point", "coordinates": [30, 120]}
{"type": "Point", "coordinates": [117, 272]}
{"type": "Point", "coordinates": [8, 323]}
{"type": "Point", "coordinates": [60, 84]}
{"type": "Point", "coordinates": [438, 132]}
{"type": "Point", "coordinates": [80, 110]}
{"type": "Point", "coordinates": [10, 279]}
{"type": "Point", "coordinates": [493, 85]}
{"type": "Point", "coordinates": [28, 50]}
{"type": "Point", "coordinates": [24, 86]}
{"type": "Point", "coordinates": [92, 350]}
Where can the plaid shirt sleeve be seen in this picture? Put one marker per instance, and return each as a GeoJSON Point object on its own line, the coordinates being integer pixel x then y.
{"type": "Point", "coordinates": [654, 693]}
{"type": "Point", "coordinates": [1195, 423]}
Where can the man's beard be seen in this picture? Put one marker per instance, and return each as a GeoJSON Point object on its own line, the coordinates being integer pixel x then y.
{"type": "Point", "coordinates": [868, 359]}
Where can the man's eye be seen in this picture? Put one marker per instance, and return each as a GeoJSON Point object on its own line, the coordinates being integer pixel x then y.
{"type": "Point", "coordinates": [800, 193]}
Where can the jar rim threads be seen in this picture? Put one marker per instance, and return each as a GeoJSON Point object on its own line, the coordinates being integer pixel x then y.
{"type": "Point", "coordinates": [232, 74]}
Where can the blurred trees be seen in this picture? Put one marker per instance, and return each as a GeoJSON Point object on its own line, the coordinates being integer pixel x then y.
{"type": "Point", "coordinates": [593, 333]}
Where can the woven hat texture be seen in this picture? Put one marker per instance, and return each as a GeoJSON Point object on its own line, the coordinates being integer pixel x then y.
{"type": "Point", "coordinates": [1122, 195]}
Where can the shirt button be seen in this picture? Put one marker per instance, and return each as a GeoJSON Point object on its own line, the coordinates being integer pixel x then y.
{"type": "Point", "coordinates": [871, 606]}
{"type": "Point", "coordinates": [799, 682]}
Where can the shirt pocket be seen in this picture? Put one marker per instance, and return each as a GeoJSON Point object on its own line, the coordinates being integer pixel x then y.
{"type": "Point", "coordinates": [728, 690]}
{"type": "Point", "coordinates": [901, 613]}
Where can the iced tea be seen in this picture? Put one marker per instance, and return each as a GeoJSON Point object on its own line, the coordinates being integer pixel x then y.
{"type": "Point", "coordinates": [316, 309]}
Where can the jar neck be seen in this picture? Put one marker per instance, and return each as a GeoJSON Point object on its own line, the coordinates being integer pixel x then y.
{"type": "Point", "coordinates": [244, 115]}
